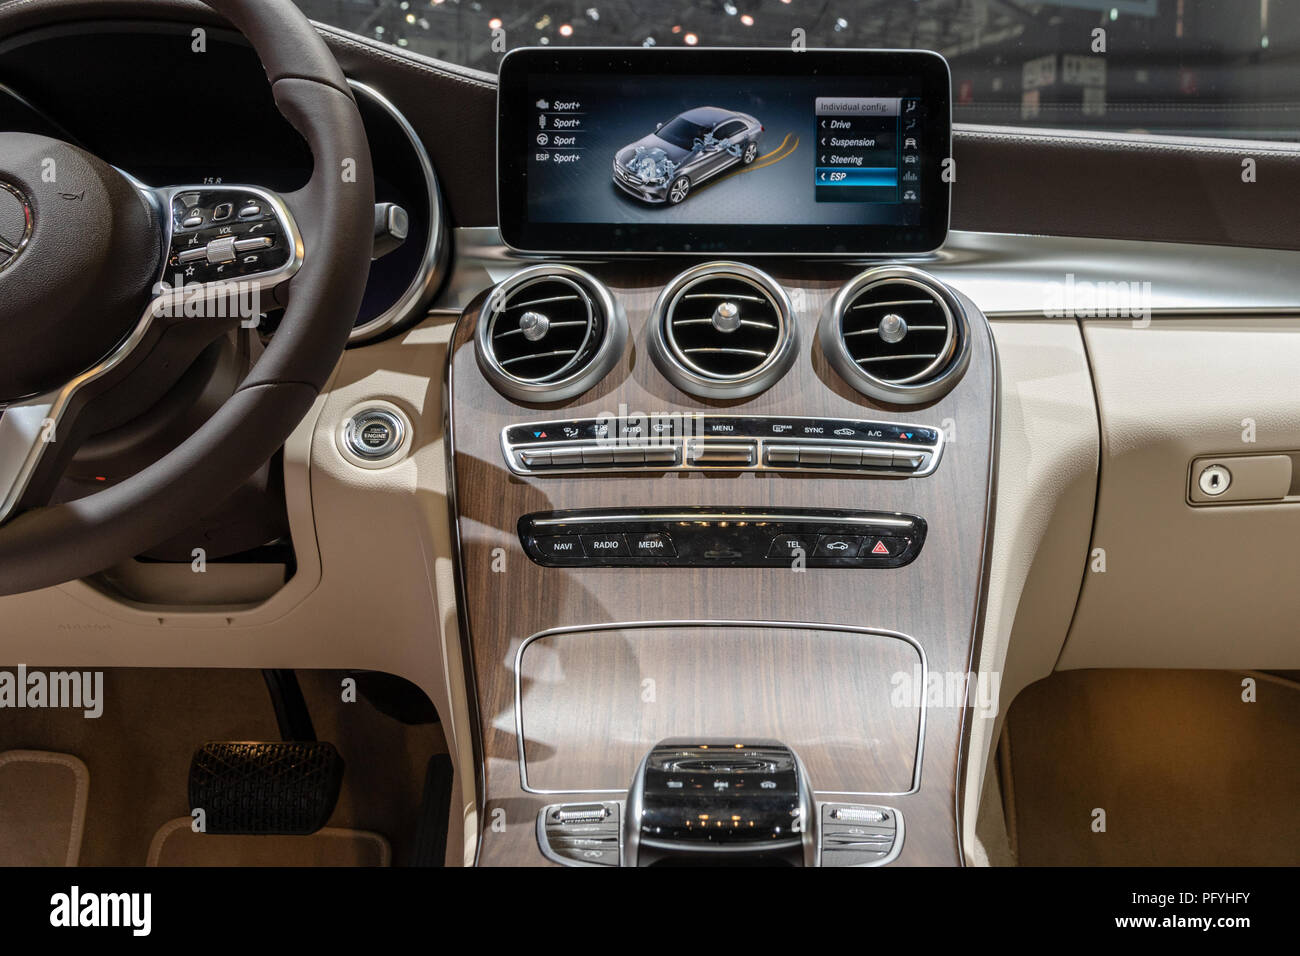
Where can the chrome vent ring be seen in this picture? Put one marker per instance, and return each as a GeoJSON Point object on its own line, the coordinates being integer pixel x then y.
{"type": "Point", "coordinates": [723, 330]}
{"type": "Point", "coordinates": [549, 333]}
{"type": "Point", "coordinates": [896, 335]}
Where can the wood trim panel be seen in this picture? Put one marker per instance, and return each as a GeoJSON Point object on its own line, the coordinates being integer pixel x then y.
{"type": "Point", "coordinates": [507, 598]}
{"type": "Point", "coordinates": [645, 684]}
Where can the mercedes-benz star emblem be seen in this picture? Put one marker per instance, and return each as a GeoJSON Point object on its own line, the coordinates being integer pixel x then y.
{"type": "Point", "coordinates": [15, 224]}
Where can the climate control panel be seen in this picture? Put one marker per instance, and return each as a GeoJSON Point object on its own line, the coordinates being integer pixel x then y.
{"type": "Point", "coordinates": [721, 443]}
{"type": "Point", "coordinates": [722, 537]}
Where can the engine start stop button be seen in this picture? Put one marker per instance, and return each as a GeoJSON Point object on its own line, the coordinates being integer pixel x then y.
{"type": "Point", "coordinates": [374, 434]}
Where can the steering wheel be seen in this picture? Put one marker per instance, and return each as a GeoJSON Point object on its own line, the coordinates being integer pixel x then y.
{"type": "Point", "coordinates": [109, 289]}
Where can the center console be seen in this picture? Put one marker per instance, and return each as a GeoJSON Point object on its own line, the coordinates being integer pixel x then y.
{"type": "Point", "coordinates": [721, 519]}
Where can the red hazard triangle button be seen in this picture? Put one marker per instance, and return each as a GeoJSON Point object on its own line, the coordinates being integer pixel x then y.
{"type": "Point", "coordinates": [880, 548]}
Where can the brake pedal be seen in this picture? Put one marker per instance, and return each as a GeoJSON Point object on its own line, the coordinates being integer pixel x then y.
{"type": "Point", "coordinates": [257, 788]}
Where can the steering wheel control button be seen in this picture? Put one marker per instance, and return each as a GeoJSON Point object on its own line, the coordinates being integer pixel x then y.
{"type": "Point", "coordinates": [605, 545]}
{"type": "Point", "coordinates": [221, 250]}
{"type": "Point", "coordinates": [374, 434]}
{"type": "Point", "coordinates": [210, 244]}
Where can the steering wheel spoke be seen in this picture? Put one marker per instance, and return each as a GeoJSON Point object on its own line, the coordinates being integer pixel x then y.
{"type": "Point", "coordinates": [229, 250]}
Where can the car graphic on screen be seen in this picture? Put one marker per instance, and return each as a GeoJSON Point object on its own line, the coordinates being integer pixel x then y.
{"type": "Point", "coordinates": [666, 165]}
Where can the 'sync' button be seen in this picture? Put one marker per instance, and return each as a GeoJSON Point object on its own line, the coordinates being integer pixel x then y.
{"type": "Point", "coordinates": [560, 546]}
{"type": "Point", "coordinates": [604, 545]}
{"type": "Point", "coordinates": [652, 544]}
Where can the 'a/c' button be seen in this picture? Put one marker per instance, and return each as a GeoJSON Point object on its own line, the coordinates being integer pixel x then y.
{"type": "Point", "coordinates": [605, 545]}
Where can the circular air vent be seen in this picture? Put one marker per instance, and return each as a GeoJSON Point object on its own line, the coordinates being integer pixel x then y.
{"type": "Point", "coordinates": [896, 335]}
{"type": "Point", "coordinates": [723, 330]}
{"type": "Point", "coordinates": [549, 333]}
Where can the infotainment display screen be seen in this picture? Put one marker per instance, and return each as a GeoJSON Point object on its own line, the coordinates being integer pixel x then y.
{"type": "Point", "coordinates": [712, 151]}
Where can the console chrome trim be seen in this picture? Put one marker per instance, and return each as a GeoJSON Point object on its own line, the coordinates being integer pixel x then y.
{"type": "Point", "coordinates": [433, 266]}
{"type": "Point", "coordinates": [606, 356]}
{"type": "Point", "coordinates": [652, 516]}
{"type": "Point", "coordinates": [548, 851]}
{"type": "Point", "coordinates": [785, 625]}
{"type": "Point", "coordinates": [510, 451]}
{"type": "Point", "coordinates": [689, 377]}
{"type": "Point", "coordinates": [953, 359]}
{"type": "Point", "coordinates": [895, 849]}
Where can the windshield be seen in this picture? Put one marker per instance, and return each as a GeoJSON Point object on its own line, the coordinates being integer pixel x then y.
{"type": "Point", "coordinates": [682, 133]}
{"type": "Point", "coordinates": [1192, 67]}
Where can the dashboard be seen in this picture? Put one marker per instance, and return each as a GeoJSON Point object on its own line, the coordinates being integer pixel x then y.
{"type": "Point", "coordinates": [767, 439]}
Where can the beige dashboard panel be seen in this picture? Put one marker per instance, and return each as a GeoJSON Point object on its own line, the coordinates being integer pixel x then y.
{"type": "Point", "coordinates": [380, 596]}
{"type": "Point", "coordinates": [1186, 586]}
{"type": "Point", "coordinates": [1047, 482]}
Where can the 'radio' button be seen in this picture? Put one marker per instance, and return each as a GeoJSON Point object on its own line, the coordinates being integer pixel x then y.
{"type": "Point", "coordinates": [605, 545]}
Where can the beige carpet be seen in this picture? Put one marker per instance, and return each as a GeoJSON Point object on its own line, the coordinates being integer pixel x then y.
{"type": "Point", "coordinates": [139, 752]}
{"type": "Point", "coordinates": [1187, 773]}
{"type": "Point", "coordinates": [176, 844]}
{"type": "Point", "coordinates": [42, 808]}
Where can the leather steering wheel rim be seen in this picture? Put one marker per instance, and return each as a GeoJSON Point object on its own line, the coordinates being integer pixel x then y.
{"type": "Point", "coordinates": [334, 214]}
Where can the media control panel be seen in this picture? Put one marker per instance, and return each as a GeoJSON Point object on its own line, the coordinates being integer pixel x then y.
{"type": "Point", "coordinates": [722, 537]}
{"type": "Point", "coordinates": [721, 443]}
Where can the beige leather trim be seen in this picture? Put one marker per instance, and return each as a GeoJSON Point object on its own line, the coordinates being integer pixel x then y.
{"type": "Point", "coordinates": [383, 850]}
{"type": "Point", "coordinates": [81, 781]}
{"type": "Point", "coordinates": [1047, 470]}
{"type": "Point", "coordinates": [376, 590]}
{"type": "Point", "coordinates": [1185, 586]}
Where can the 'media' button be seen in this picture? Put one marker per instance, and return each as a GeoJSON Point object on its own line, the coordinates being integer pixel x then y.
{"type": "Point", "coordinates": [652, 544]}
{"type": "Point", "coordinates": [605, 545]}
